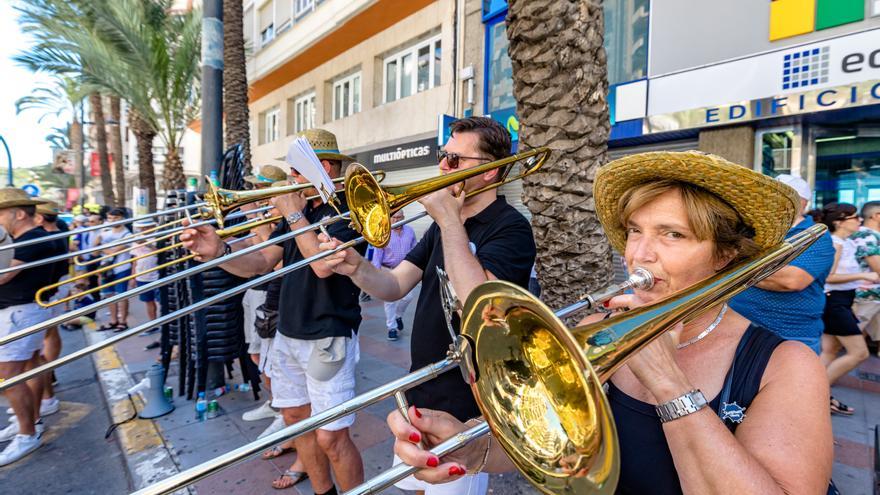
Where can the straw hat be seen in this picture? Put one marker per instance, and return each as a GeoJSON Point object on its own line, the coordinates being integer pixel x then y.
{"type": "Point", "coordinates": [49, 207]}
{"type": "Point", "coordinates": [267, 175]}
{"type": "Point", "coordinates": [324, 144]}
{"type": "Point", "coordinates": [13, 196]}
{"type": "Point", "coordinates": [766, 205]}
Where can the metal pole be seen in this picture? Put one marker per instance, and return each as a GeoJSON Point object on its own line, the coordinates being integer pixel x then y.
{"type": "Point", "coordinates": [9, 181]}
{"type": "Point", "coordinates": [212, 85]}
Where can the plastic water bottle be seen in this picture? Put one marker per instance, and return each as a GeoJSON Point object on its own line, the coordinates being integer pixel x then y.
{"type": "Point", "coordinates": [201, 407]}
{"type": "Point", "coordinates": [214, 179]}
{"type": "Point", "coordinates": [213, 409]}
{"type": "Point", "coordinates": [243, 387]}
{"type": "Point", "coordinates": [221, 390]}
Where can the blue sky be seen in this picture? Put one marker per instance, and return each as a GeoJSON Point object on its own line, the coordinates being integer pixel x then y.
{"type": "Point", "coordinates": [24, 135]}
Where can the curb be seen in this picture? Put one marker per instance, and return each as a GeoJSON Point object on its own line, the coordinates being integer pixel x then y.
{"type": "Point", "coordinates": [148, 458]}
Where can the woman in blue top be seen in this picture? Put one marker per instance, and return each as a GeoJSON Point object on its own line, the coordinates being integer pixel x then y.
{"type": "Point", "coordinates": [841, 325]}
{"type": "Point", "coordinates": [766, 429]}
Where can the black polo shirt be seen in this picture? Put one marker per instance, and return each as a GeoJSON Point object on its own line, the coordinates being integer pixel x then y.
{"type": "Point", "coordinates": [310, 307]}
{"type": "Point", "coordinates": [24, 286]}
{"type": "Point", "coordinates": [502, 240]}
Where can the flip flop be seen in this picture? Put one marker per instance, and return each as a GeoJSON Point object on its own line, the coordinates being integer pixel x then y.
{"type": "Point", "coordinates": [108, 326]}
{"type": "Point", "coordinates": [838, 407]}
{"type": "Point", "coordinates": [294, 477]}
{"type": "Point", "coordinates": [276, 451]}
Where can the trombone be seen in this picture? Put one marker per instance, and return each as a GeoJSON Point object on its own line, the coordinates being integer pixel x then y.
{"type": "Point", "coordinates": [536, 158]}
{"type": "Point", "coordinates": [641, 279]}
{"type": "Point", "coordinates": [224, 233]}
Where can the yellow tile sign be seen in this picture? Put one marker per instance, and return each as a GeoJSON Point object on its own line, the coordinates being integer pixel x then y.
{"type": "Point", "coordinates": [795, 17]}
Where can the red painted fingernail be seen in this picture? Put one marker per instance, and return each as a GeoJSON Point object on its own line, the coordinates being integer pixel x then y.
{"type": "Point", "coordinates": [414, 437]}
{"type": "Point", "coordinates": [606, 303]}
{"type": "Point", "coordinates": [455, 471]}
{"type": "Point", "coordinates": [418, 414]}
{"type": "Point", "coordinates": [433, 462]}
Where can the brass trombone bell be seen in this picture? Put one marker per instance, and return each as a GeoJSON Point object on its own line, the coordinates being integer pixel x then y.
{"type": "Point", "coordinates": [539, 383]}
{"type": "Point", "coordinates": [219, 201]}
{"type": "Point", "coordinates": [372, 205]}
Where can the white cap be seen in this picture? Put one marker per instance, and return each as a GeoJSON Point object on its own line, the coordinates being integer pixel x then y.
{"type": "Point", "coordinates": [796, 183]}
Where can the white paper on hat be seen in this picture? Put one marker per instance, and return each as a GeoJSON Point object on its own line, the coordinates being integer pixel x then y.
{"type": "Point", "coordinates": [302, 157]}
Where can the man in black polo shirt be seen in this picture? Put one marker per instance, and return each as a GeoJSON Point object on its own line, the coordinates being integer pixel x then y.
{"type": "Point", "coordinates": [314, 353]}
{"type": "Point", "coordinates": [18, 311]}
{"type": "Point", "coordinates": [475, 239]}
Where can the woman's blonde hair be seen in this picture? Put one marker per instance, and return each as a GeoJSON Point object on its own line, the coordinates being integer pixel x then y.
{"type": "Point", "coordinates": [709, 217]}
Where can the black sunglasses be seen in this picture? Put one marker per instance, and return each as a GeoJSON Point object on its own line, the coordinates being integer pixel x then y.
{"type": "Point", "coordinates": [452, 159]}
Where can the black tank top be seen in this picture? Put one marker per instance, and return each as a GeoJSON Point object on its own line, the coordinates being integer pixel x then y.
{"type": "Point", "coordinates": [646, 464]}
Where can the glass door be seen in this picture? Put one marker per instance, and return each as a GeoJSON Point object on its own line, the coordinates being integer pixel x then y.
{"type": "Point", "coordinates": [777, 151]}
{"type": "Point", "coordinates": [847, 165]}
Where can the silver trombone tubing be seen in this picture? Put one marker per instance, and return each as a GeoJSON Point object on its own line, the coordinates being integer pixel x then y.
{"type": "Point", "coordinates": [639, 279]}
{"type": "Point", "coordinates": [162, 281]}
{"type": "Point", "coordinates": [401, 471]}
{"type": "Point", "coordinates": [123, 241]}
{"type": "Point", "coordinates": [124, 221]}
{"type": "Point", "coordinates": [192, 308]}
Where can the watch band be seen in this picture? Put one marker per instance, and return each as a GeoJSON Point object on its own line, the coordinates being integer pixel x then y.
{"type": "Point", "coordinates": [294, 217]}
{"type": "Point", "coordinates": [227, 249]}
{"type": "Point", "coordinates": [680, 407]}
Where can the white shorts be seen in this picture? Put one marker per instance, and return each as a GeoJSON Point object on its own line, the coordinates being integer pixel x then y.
{"type": "Point", "coordinates": [250, 302]}
{"type": "Point", "coordinates": [868, 313]}
{"type": "Point", "coordinates": [15, 318]}
{"type": "Point", "coordinates": [469, 484]}
{"type": "Point", "coordinates": [293, 387]}
{"type": "Point", "coordinates": [266, 346]}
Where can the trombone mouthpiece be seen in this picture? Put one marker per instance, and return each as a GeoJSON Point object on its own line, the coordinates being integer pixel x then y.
{"type": "Point", "coordinates": [641, 279]}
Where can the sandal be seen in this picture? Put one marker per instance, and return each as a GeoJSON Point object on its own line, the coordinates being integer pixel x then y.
{"type": "Point", "coordinates": [108, 326]}
{"type": "Point", "coordinates": [838, 407]}
{"type": "Point", "coordinates": [276, 451]}
{"type": "Point", "coordinates": [120, 327]}
{"type": "Point", "coordinates": [288, 479]}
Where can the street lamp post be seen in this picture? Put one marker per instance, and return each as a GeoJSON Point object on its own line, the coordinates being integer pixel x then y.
{"type": "Point", "coordinates": [9, 181]}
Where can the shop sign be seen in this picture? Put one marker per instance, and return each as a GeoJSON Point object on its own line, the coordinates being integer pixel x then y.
{"type": "Point", "coordinates": [826, 75]}
{"type": "Point", "coordinates": [407, 155]}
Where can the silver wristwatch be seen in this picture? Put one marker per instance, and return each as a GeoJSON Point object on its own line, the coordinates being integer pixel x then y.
{"type": "Point", "coordinates": [294, 217]}
{"type": "Point", "coordinates": [680, 407]}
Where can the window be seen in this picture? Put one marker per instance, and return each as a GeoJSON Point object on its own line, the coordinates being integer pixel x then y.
{"type": "Point", "coordinates": [413, 70]}
{"type": "Point", "coordinates": [270, 125]}
{"type": "Point", "coordinates": [499, 79]}
{"type": "Point", "coordinates": [347, 96]}
{"type": "Point", "coordinates": [282, 15]}
{"type": "Point", "coordinates": [303, 7]}
{"type": "Point", "coordinates": [304, 113]}
{"type": "Point", "coordinates": [267, 24]}
{"type": "Point", "coordinates": [626, 39]}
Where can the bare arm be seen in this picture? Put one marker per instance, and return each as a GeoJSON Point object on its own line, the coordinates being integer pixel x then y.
{"type": "Point", "coordinates": [6, 277]}
{"type": "Point", "coordinates": [464, 269]}
{"type": "Point", "coordinates": [386, 285]}
{"type": "Point", "coordinates": [207, 245]}
{"type": "Point", "coordinates": [783, 446]}
{"type": "Point", "coordinates": [874, 263]}
{"type": "Point", "coordinates": [788, 279]}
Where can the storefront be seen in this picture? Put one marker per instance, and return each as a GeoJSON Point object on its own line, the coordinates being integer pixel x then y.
{"type": "Point", "coordinates": [797, 94]}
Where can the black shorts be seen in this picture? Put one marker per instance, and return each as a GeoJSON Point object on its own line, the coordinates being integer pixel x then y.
{"type": "Point", "coordinates": [838, 317]}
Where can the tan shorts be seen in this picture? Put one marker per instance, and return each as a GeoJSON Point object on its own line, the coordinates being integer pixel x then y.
{"type": "Point", "coordinates": [868, 313]}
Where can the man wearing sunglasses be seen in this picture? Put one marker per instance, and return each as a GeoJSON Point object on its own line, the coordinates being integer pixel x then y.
{"type": "Point", "coordinates": [474, 239]}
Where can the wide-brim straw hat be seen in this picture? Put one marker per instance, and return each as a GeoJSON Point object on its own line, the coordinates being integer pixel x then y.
{"type": "Point", "coordinates": [325, 145]}
{"type": "Point", "coordinates": [13, 196]}
{"type": "Point", "coordinates": [766, 205]}
{"type": "Point", "coordinates": [48, 207]}
{"type": "Point", "coordinates": [267, 175]}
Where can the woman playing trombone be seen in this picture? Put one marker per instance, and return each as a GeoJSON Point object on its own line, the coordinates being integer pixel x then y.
{"type": "Point", "coordinates": [714, 405]}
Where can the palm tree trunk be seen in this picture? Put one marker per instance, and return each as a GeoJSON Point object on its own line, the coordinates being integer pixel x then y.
{"type": "Point", "coordinates": [76, 144]}
{"type": "Point", "coordinates": [560, 85]}
{"type": "Point", "coordinates": [235, 86]}
{"type": "Point", "coordinates": [174, 177]}
{"type": "Point", "coordinates": [101, 144]}
{"type": "Point", "coordinates": [144, 134]}
{"type": "Point", "coordinates": [115, 130]}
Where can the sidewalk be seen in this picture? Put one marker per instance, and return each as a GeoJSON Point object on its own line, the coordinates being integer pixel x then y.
{"type": "Point", "coordinates": [191, 442]}
{"type": "Point", "coordinates": [74, 457]}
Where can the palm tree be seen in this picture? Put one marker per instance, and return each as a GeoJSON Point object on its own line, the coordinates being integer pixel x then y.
{"type": "Point", "coordinates": [115, 131]}
{"type": "Point", "coordinates": [560, 84]}
{"type": "Point", "coordinates": [97, 106]}
{"type": "Point", "coordinates": [235, 86]}
{"type": "Point", "coordinates": [66, 95]}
